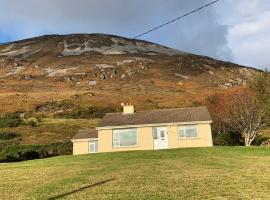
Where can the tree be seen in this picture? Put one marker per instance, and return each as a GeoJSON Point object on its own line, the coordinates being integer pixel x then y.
{"type": "Point", "coordinates": [240, 111]}
{"type": "Point", "coordinates": [260, 85]}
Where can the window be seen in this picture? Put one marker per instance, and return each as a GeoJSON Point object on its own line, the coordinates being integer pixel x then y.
{"type": "Point", "coordinates": [162, 135]}
{"type": "Point", "coordinates": [187, 132]}
{"type": "Point", "coordinates": [124, 137]}
{"type": "Point", "coordinates": [93, 146]}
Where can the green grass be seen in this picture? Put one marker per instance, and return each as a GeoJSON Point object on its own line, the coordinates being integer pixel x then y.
{"type": "Point", "coordinates": [194, 173]}
{"type": "Point", "coordinates": [51, 130]}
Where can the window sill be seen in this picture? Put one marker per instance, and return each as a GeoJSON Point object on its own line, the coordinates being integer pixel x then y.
{"type": "Point", "coordinates": [125, 146]}
{"type": "Point", "coordinates": [196, 138]}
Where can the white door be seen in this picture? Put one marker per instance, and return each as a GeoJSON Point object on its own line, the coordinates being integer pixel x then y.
{"type": "Point", "coordinates": [160, 136]}
{"type": "Point", "coordinates": [93, 146]}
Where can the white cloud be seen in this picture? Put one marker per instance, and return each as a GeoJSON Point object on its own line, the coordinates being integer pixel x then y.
{"type": "Point", "coordinates": [231, 30]}
{"type": "Point", "coordinates": [248, 31]}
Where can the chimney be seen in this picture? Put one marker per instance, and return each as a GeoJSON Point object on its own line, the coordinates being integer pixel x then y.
{"type": "Point", "coordinates": [128, 108]}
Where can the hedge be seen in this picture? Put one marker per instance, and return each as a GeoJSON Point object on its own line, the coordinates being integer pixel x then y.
{"type": "Point", "coordinates": [16, 153]}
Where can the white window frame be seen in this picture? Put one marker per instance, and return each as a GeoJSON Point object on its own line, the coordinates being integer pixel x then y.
{"type": "Point", "coordinates": [89, 143]}
{"type": "Point", "coordinates": [184, 128]}
{"type": "Point", "coordinates": [118, 131]}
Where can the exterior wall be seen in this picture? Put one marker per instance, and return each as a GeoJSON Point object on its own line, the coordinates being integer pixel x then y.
{"type": "Point", "coordinates": [204, 138]}
{"type": "Point", "coordinates": [81, 146]}
{"type": "Point", "coordinates": [145, 140]}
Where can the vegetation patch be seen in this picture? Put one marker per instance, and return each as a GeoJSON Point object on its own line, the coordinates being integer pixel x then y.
{"type": "Point", "coordinates": [32, 121]}
{"type": "Point", "coordinates": [10, 120]}
{"type": "Point", "coordinates": [86, 113]}
{"type": "Point", "coordinates": [55, 106]}
{"type": "Point", "coordinates": [15, 153]}
{"type": "Point", "coordinates": [8, 135]}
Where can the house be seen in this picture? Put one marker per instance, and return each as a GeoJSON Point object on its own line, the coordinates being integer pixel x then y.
{"type": "Point", "coordinates": [146, 130]}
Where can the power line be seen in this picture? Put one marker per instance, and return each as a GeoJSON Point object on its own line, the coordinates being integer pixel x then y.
{"type": "Point", "coordinates": [169, 22]}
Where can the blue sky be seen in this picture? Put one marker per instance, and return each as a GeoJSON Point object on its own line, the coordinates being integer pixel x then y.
{"type": "Point", "coordinates": [237, 31]}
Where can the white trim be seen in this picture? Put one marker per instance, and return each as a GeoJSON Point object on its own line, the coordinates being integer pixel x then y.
{"type": "Point", "coordinates": [116, 147]}
{"type": "Point", "coordinates": [89, 143]}
{"type": "Point", "coordinates": [151, 125]}
{"type": "Point", "coordinates": [83, 140]}
{"type": "Point", "coordinates": [159, 143]}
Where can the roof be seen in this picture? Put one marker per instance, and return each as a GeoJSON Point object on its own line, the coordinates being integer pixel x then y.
{"type": "Point", "coordinates": [192, 114]}
{"type": "Point", "coordinates": [85, 134]}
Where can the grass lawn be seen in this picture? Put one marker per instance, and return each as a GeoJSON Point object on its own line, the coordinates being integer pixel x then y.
{"type": "Point", "coordinates": [192, 173]}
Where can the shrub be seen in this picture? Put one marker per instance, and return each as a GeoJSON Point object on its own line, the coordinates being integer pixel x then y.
{"type": "Point", "coordinates": [6, 143]}
{"type": "Point", "coordinates": [11, 120]}
{"type": "Point", "coordinates": [227, 139]}
{"type": "Point", "coordinates": [15, 153]}
{"type": "Point", "coordinates": [32, 121]}
{"type": "Point", "coordinates": [8, 135]}
{"type": "Point", "coordinates": [260, 140]}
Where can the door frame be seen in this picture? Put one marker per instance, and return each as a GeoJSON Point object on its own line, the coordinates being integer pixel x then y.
{"type": "Point", "coordinates": [159, 143]}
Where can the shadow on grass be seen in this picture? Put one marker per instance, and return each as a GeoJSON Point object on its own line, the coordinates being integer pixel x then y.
{"type": "Point", "coordinates": [80, 189]}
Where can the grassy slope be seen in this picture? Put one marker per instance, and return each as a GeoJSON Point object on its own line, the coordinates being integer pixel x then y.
{"type": "Point", "coordinates": [195, 173]}
{"type": "Point", "coordinates": [51, 130]}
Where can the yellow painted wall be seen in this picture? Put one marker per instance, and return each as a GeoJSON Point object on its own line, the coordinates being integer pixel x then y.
{"type": "Point", "coordinates": [80, 147]}
{"type": "Point", "coordinates": [204, 138]}
{"type": "Point", "coordinates": [145, 140]}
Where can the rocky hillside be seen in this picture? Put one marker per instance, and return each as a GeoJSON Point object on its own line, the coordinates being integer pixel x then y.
{"type": "Point", "coordinates": [105, 70]}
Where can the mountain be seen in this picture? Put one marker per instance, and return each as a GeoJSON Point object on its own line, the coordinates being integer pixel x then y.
{"type": "Point", "coordinates": [105, 70]}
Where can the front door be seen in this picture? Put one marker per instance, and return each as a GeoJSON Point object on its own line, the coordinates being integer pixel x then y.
{"type": "Point", "coordinates": [160, 136]}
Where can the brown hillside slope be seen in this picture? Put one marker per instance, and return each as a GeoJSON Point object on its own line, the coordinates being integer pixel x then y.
{"type": "Point", "coordinates": [76, 68]}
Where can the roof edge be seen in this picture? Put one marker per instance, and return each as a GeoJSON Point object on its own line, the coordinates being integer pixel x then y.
{"type": "Point", "coordinates": [158, 124]}
{"type": "Point", "coordinates": [160, 109]}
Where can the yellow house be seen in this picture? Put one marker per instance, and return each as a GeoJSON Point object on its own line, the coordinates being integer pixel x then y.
{"type": "Point", "coordinates": [145, 130]}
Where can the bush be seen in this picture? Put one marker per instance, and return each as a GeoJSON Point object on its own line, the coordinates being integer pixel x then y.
{"type": "Point", "coordinates": [11, 120]}
{"type": "Point", "coordinates": [260, 140]}
{"type": "Point", "coordinates": [86, 113]}
{"type": "Point", "coordinates": [227, 139]}
{"type": "Point", "coordinates": [6, 143]}
{"type": "Point", "coordinates": [8, 135]}
{"type": "Point", "coordinates": [32, 121]}
{"type": "Point", "coordinates": [15, 153]}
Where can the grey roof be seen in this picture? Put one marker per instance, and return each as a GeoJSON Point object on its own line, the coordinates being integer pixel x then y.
{"type": "Point", "coordinates": [86, 134]}
{"type": "Point", "coordinates": [191, 114]}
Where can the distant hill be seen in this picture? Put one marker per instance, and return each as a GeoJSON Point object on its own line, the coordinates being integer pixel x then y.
{"type": "Point", "coordinates": [105, 70]}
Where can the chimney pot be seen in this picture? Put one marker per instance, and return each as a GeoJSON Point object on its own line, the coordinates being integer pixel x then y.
{"type": "Point", "coordinates": [128, 108]}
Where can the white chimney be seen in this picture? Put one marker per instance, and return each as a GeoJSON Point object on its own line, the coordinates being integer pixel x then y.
{"type": "Point", "coordinates": [128, 108]}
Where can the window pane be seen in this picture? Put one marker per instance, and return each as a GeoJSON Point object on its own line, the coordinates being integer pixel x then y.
{"type": "Point", "coordinates": [155, 136]}
{"type": "Point", "coordinates": [162, 135]}
{"type": "Point", "coordinates": [124, 137]}
{"type": "Point", "coordinates": [92, 147]}
{"type": "Point", "coordinates": [191, 132]}
{"type": "Point", "coordinates": [181, 133]}
{"type": "Point", "coordinates": [128, 138]}
{"type": "Point", "coordinates": [116, 139]}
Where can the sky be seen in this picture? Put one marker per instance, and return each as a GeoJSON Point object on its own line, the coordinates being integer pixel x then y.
{"type": "Point", "coordinates": [231, 30]}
